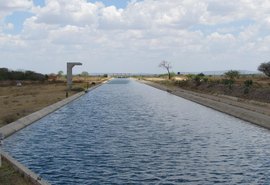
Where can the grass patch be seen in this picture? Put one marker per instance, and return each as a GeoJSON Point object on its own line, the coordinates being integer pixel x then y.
{"type": "Point", "coordinates": [8, 176]}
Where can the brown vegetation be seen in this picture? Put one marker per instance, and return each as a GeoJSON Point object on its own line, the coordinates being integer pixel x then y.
{"type": "Point", "coordinates": [8, 176]}
{"type": "Point", "coordinates": [251, 87]}
{"type": "Point", "coordinates": [19, 101]}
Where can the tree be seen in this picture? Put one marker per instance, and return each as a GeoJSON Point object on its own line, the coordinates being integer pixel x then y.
{"type": "Point", "coordinates": [265, 68]}
{"type": "Point", "coordinates": [85, 74]}
{"type": "Point", "coordinates": [60, 73]}
{"type": "Point", "coordinates": [232, 74]}
{"type": "Point", "coordinates": [166, 65]}
{"type": "Point", "coordinates": [6, 74]}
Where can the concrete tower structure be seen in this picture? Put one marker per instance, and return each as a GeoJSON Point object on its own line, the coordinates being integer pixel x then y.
{"type": "Point", "coordinates": [70, 65]}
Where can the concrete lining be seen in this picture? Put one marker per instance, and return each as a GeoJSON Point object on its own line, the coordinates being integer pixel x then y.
{"type": "Point", "coordinates": [246, 111]}
{"type": "Point", "coordinates": [21, 123]}
{"type": "Point", "coordinates": [22, 170]}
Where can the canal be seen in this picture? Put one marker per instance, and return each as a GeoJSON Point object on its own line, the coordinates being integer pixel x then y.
{"type": "Point", "coordinates": [125, 132]}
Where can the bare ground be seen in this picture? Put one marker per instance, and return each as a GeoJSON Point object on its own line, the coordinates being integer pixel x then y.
{"type": "Point", "coordinates": [17, 102]}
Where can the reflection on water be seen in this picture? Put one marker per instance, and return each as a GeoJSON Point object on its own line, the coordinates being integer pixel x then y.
{"type": "Point", "coordinates": [125, 132]}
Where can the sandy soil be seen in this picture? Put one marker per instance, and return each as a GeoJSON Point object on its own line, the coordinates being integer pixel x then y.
{"type": "Point", "coordinates": [17, 102]}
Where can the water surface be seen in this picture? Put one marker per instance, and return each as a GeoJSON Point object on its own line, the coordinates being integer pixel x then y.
{"type": "Point", "coordinates": [125, 132]}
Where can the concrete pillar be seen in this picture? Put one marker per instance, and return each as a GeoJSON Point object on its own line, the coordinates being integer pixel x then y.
{"type": "Point", "coordinates": [70, 65]}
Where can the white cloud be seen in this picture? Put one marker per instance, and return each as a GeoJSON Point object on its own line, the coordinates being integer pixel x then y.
{"type": "Point", "coordinates": [7, 7]}
{"type": "Point", "coordinates": [194, 35]}
{"type": "Point", "coordinates": [62, 12]}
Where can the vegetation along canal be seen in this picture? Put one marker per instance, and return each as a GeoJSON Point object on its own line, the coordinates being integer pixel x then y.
{"type": "Point", "coordinates": [125, 132]}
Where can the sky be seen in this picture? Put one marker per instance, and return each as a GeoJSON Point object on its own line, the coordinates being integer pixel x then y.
{"type": "Point", "coordinates": [132, 36]}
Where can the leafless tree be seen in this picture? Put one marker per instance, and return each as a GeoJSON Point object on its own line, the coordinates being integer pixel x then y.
{"type": "Point", "coordinates": [166, 65]}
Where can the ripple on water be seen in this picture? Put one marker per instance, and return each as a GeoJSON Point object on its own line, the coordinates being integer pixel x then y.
{"type": "Point", "coordinates": [129, 133]}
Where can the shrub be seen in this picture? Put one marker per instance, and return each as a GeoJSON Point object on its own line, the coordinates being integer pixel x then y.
{"type": "Point", "coordinates": [77, 89]}
{"type": "Point", "coordinates": [205, 80]}
{"type": "Point", "coordinates": [197, 80]}
{"type": "Point", "coordinates": [190, 76]}
{"type": "Point", "coordinates": [228, 82]}
{"type": "Point", "coordinates": [248, 84]}
{"type": "Point", "coordinates": [265, 68]}
{"type": "Point", "coordinates": [232, 74]}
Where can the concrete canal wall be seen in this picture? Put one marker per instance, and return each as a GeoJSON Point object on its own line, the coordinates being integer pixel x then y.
{"type": "Point", "coordinates": [23, 171]}
{"type": "Point", "coordinates": [15, 126]}
{"type": "Point", "coordinates": [256, 113]}
{"type": "Point", "coordinates": [31, 118]}
{"type": "Point", "coordinates": [28, 120]}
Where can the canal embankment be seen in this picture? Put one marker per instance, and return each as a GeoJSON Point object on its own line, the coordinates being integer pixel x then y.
{"type": "Point", "coordinates": [27, 174]}
{"type": "Point", "coordinates": [252, 111]}
{"type": "Point", "coordinates": [21, 123]}
{"type": "Point", "coordinates": [128, 132]}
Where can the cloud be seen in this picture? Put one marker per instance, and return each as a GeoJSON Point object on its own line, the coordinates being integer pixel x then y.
{"type": "Point", "coordinates": [61, 12]}
{"type": "Point", "coordinates": [7, 7]}
{"type": "Point", "coordinates": [194, 35]}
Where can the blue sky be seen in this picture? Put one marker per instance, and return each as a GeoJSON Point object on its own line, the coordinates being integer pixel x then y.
{"type": "Point", "coordinates": [117, 3]}
{"type": "Point", "coordinates": [39, 2]}
{"type": "Point", "coordinates": [193, 35]}
{"type": "Point", "coordinates": [17, 19]}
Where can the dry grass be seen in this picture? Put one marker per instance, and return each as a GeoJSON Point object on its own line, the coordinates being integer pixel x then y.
{"type": "Point", "coordinates": [17, 102]}
{"type": "Point", "coordinates": [8, 176]}
{"type": "Point", "coordinates": [259, 91]}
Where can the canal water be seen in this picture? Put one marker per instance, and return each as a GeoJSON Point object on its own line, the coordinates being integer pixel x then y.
{"type": "Point", "coordinates": [125, 132]}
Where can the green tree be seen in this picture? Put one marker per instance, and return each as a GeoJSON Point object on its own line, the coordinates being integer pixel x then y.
{"type": "Point", "coordinates": [232, 74]}
{"type": "Point", "coordinates": [265, 68]}
{"type": "Point", "coordinates": [248, 84]}
{"type": "Point", "coordinates": [60, 73]}
{"type": "Point", "coordinates": [84, 74]}
{"type": "Point", "coordinates": [230, 77]}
